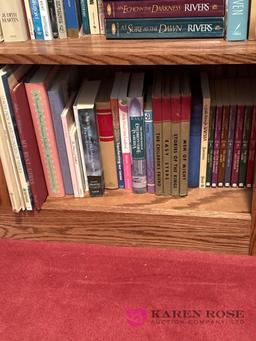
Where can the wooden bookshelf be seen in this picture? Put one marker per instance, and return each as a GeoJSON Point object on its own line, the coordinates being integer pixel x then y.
{"type": "Point", "coordinates": [218, 220]}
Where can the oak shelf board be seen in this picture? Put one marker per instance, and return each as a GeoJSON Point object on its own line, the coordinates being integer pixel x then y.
{"type": "Point", "coordinates": [223, 203]}
{"type": "Point", "coordinates": [97, 50]}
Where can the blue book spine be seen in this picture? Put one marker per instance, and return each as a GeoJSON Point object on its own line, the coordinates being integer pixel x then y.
{"type": "Point", "coordinates": [37, 21]}
{"type": "Point", "coordinates": [85, 16]}
{"type": "Point", "coordinates": [195, 143]}
{"type": "Point", "coordinates": [73, 17]}
{"type": "Point", "coordinates": [230, 144]}
{"type": "Point", "coordinates": [237, 19]}
{"type": "Point", "coordinates": [149, 132]}
{"type": "Point", "coordinates": [165, 28]}
{"type": "Point", "coordinates": [57, 106]}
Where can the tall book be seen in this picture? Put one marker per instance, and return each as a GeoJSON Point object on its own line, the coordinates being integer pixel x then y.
{"type": "Point", "coordinates": [53, 18]}
{"type": "Point", "coordinates": [36, 87]}
{"type": "Point", "coordinates": [8, 76]}
{"type": "Point", "coordinates": [149, 140]}
{"type": "Point", "coordinates": [85, 16]}
{"type": "Point", "coordinates": [175, 134]}
{"type": "Point", "coordinates": [205, 128]}
{"type": "Point", "coordinates": [58, 93]}
{"type": "Point", "coordinates": [45, 17]}
{"type": "Point", "coordinates": [185, 93]}
{"type": "Point", "coordinates": [252, 142]}
{"type": "Point", "coordinates": [116, 126]}
{"type": "Point", "coordinates": [101, 16]}
{"type": "Point", "coordinates": [28, 141]}
{"type": "Point", "coordinates": [37, 20]}
{"type": "Point", "coordinates": [158, 132]}
{"type": "Point", "coordinates": [195, 133]}
{"type": "Point", "coordinates": [106, 133]}
{"type": "Point", "coordinates": [68, 121]}
{"type": "Point", "coordinates": [252, 21]}
{"type": "Point", "coordinates": [73, 17]}
{"type": "Point", "coordinates": [211, 134]}
{"type": "Point", "coordinates": [90, 139]}
{"type": "Point", "coordinates": [29, 19]}
{"type": "Point", "coordinates": [13, 21]}
{"type": "Point", "coordinates": [167, 134]}
{"type": "Point", "coordinates": [4, 194]}
{"type": "Point", "coordinates": [237, 19]}
{"type": "Point", "coordinates": [125, 130]}
{"type": "Point", "coordinates": [137, 132]}
{"type": "Point", "coordinates": [60, 17]}
{"type": "Point", "coordinates": [93, 16]}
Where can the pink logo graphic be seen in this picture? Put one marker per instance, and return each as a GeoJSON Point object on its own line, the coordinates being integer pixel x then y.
{"type": "Point", "coordinates": [136, 317]}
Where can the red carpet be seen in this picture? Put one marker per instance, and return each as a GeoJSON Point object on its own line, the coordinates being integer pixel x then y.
{"type": "Point", "coordinates": [75, 292]}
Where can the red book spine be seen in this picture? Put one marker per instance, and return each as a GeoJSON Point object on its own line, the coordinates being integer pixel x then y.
{"type": "Point", "coordinates": [29, 145]}
{"type": "Point", "coordinates": [237, 145]}
{"type": "Point", "coordinates": [251, 156]}
{"type": "Point", "coordinates": [163, 9]}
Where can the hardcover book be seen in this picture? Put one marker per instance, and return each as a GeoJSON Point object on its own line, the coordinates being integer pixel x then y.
{"type": "Point", "coordinates": [36, 88]}
{"type": "Point", "coordinates": [252, 22]}
{"type": "Point", "coordinates": [106, 134]}
{"type": "Point", "coordinates": [252, 142]}
{"type": "Point", "coordinates": [165, 28]}
{"type": "Point", "coordinates": [163, 9]}
{"type": "Point", "coordinates": [45, 17]}
{"type": "Point", "coordinates": [60, 17]}
{"type": "Point", "coordinates": [237, 19]}
{"type": "Point", "coordinates": [73, 17]}
{"type": "Point", "coordinates": [13, 21]}
{"type": "Point", "coordinates": [137, 132]}
{"type": "Point", "coordinates": [37, 21]}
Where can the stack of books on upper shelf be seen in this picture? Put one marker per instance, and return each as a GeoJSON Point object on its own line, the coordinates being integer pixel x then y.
{"type": "Point", "coordinates": [65, 133]}
{"type": "Point", "coordinates": [128, 19]}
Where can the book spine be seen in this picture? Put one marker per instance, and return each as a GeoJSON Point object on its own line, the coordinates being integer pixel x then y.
{"type": "Point", "coordinates": [92, 151]}
{"type": "Point", "coordinates": [117, 136]}
{"type": "Point", "coordinates": [167, 145]}
{"type": "Point", "coordinates": [85, 16]}
{"type": "Point", "coordinates": [251, 153]}
{"type": "Point", "coordinates": [101, 16]}
{"type": "Point", "coordinates": [165, 28]}
{"type": "Point", "coordinates": [223, 146]}
{"type": "Point", "coordinates": [57, 106]}
{"type": "Point", "coordinates": [175, 145]}
{"type": "Point", "coordinates": [237, 145]}
{"type": "Point", "coordinates": [53, 18]}
{"type": "Point", "coordinates": [45, 16]}
{"type": "Point", "coordinates": [204, 142]}
{"type": "Point", "coordinates": [14, 139]}
{"type": "Point", "coordinates": [149, 137]}
{"type": "Point", "coordinates": [252, 23]}
{"type": "Point", "coordinates": [72, 18]}
{"type": "Point", "coordinates": [244, 146]}
{"type": "Point", "coordinates": [29, 145]}
{"type": "Point", "coordinates": [139, 173]}
{"type": "Point", "coordinates": [39, 106]}
{"type": "Point", "coordinates": [29, 19]}
{"type": "Point", "coordinates": [237, 19]}
{"type": "Point", "coordinates": [1, 33]}
{"type": "Point", "coordinates": [107, 146]}
{"type": "Point", "coordinates": [38, 26]}
{"type": "Point", "coordinates": [230, 145]}
{"type": "Point", "coordinates": [61, 21]}
{"type": "Point", "coordinates": [216, 148]}
{"type": "Point", "coordinates": [158, 147]}
{"type": "Point", "coordinates": [210, 153]}
{"type": "Point", "coordinates": [163, 9]}
{"type": "Point", "coordinates": [125, 142]}
{"type": "Point", "coordinates": [93, 16]}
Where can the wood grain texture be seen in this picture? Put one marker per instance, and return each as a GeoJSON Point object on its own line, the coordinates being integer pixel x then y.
{"type": "Point", "coordinates": [4, 195]}
{"type": "Point", "coordinates": [205, 234]}
{"type": "Point", "coordinates": [96, 50]}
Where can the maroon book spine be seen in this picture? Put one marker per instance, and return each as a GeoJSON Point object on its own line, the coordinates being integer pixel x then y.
{"type": "Point", "coordinates": [237, 145]}
{"type": "Point", "coordinates": [251, 156]}
{"type": "Point", "coordinates": [29, 145]}
{"type": "Point", "coordinates": [163, 8]}
{"type": "Point", "coordinates": [216, 150]}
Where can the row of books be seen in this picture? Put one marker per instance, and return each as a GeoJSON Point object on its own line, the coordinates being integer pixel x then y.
{"type": "Point", "coordinates": [62, 133]}
{"type": "Point", "coordinates": [128, 19]}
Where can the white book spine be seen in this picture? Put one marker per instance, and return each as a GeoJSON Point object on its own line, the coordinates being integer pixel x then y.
{"type": "Point", "coordinates": [46, 21]}
{"type": "Point", "coordinates": [61, 21]}
{"type": "Point", "coordinates": [9, 168]}
{"type": "Point", "coordinates": [101, 16]}
{"type": "Point", "coordinates": [93, 16]}
{"type": "Point", "coordinates": [30, 20]}
{"type": "Point", "coordinates": [81, 146]}
{"type": "Point", "coordinates": [15, 148]}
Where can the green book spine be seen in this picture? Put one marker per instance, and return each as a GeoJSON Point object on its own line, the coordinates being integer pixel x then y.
{"type": "Point", "coordinates": [165, 28]}
{"type": "Point", "coordinates": [244, 146]}
{"type": "Point", "coordinates": [210, 146]}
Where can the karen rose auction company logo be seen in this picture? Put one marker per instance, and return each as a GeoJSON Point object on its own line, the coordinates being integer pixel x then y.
{"type": "Point", "coordinates": [137, 317]}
